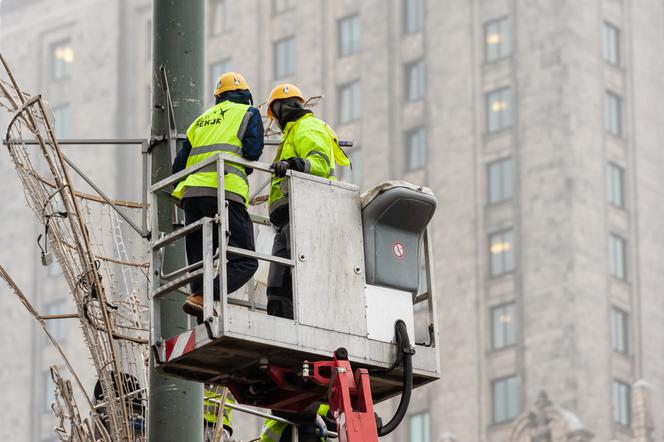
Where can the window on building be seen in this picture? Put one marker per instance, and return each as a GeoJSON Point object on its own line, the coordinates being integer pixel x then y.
{"type": "Point", "coordinates": [54, 269]}
{"type": "Point", "coordinates": [611, 43]}
{"type": "Point", "coordinates": [619, 332]}
{"type": "Point", "coordinates": [284, 57]}
{"type": "Point", "coordinates": [416, 149]}
{"type": "Point", "coordinates": [62, 124]}
{"type": "Point", "coordinates": [413, 15]}
{"type": "Point", "coordinates": [499, 109]}
{"type": "Point", "coordinates": [420, 427]}
{"type": "Point", "coordinates": [501, 251]}
{"type": "Point", "coordinates": [616, 186]}
{"type": "Point", "coordinates": [497, 42]}
{"type": "Point", "coordinates": [354, 175]}
{"type": "Point", "coordinates": [617, 256]}
{"type": "Point", "coordinates": [416, 80]}
{"type": "Point", "coordinates": [500, 180]}
{"type": "Point", "coordinates": [621, 403]}
{"type": "Point", "coordinates": [349, 102]}
{"type": "Point", "coordinates": [219, 17]}
{"type": "Point", "coordinates": [503, 326]}
{"type": "Point", "coordinates": [613, 113]}
{"type": "Point", "coordinates": [349, 35]}
{"type": "Point", "coordinates": [62, 59]}
{"type": "Point", "coordinates": [505, 400]}
{"type": "Point", "coordinates": [57, 327]}
{"type": "Point", "coordinates": [279, 6]}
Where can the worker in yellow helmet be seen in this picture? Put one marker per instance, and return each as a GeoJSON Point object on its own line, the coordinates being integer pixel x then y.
{"type": "Point", "coordinates": [233, 127]}
{"type": "Point", "coordinates": [308, 145]}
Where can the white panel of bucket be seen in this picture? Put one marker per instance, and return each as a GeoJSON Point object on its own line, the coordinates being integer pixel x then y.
{"type": "Point", "coordinates": [384, 307]}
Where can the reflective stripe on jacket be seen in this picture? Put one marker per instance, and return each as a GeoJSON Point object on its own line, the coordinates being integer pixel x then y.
{"type": "Point", "coordinates": [219, 129]}
{"type": "Point", "coordinates": [210, 409]}
{"type": "Point", "coordinates": [273, 430]}
{"type": "Point", "coordinates": [310, 139]}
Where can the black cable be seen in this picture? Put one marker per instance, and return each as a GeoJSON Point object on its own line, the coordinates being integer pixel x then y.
{"type": "Point", "coordinates": [406, 353]}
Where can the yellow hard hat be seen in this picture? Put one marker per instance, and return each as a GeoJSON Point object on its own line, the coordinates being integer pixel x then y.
{"type": "Point", "coordinates": [230, 81]}
{"type": "Point", "coordinates": [281, 92]}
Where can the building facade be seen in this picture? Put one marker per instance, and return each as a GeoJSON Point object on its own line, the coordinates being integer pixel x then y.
{"type": "Point", "coordinates": [535, 123]}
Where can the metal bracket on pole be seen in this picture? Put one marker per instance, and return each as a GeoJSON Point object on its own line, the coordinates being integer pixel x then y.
{"type": "Point", "coordinates": [171, 135]}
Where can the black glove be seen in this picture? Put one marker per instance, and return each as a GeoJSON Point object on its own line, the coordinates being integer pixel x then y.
{"type": "Point", "coordinates": [280, 168]}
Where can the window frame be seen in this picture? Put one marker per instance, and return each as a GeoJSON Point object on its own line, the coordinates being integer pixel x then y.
{"type": "Point", "coordinates": [419, 131]}
{"type": "Point", "coordinates": [289, 5]}
{"type": "Point", "coordinates": [503, 196]}
{"type": "Point", "coordinates": [613, 110]}
{"type": "Point", "coordinates": [424, 418]}
{"type": "Point", "coordinates": [352, 48]}
{"type": "Point", "coordinates": [60, 131]}
{"type": "Point", "coordinates": [610, 30]}
{"type": "Point", "coordinates": [288, 42]}
{"type": "Point", "coordinates": [505, 329]}
{"type": "Point", "coordinates": [619, 316]}
{"type": "Point", "coordinates": [616, 190]}
{"type": "Point", "coordinates": [506, 270]}
{"type": "Point", "coordinates": [505, 117]}
{"type": "Point", "coordinates": [418, 66]}
{"type": "Point", "coordinates": [618, 273]}
{"type": "Point", "coordinates": [419, 25]}
{"type": "Point", "coordinates": [504, 50]}
{"type": "Point", "coordinates": [621, 391]}
{"type": "Point", "coordinates": [355, 96]}
{"type": "Point", "coordinates": [225, 24]}
{"type": "Point", "coordinates": [506, 382]}
{"type": "Point", "coordinates": [67, 70]}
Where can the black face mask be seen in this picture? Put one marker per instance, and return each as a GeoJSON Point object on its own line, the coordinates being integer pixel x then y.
{"type": "Point", "coordinates": [289, 110]}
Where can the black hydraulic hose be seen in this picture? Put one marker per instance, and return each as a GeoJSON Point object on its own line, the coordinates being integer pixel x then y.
{"type": "Point", "coordinates": [406, 353]}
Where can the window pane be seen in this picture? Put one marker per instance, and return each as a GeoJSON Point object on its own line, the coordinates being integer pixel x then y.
{"type": "Point", "coordinates": [57, 327]}
{"type": "Point", "coordinates": [349, 102]}
{"type": "Point", "coordinates": [619, 330]}
{"type": "Point", "coordinates": [615, 176]}
{"type": "Point", "coordinates": [500, 181]}
{"type": "Point", "coordinates": [499, 110]}
{"type": "Point", "coordinates": [505, 400]}
{"type": "Point", "coordinates": [617, 256]}
{"type": "Point", "coordinates": [503, 326]}
{"type": "Point", "coordinates": [413, 15]}
{"type": "Point", "coordinates": [621, 403]}
{"type": "Point", "coordinates": [611, 43]}
{"type": "Point", "coordinates": [284, 57]}
{"type": "Point", "coordinates": [499, 400]}
{"type": "Point", "coordinates": [497, 39]}
{"type": "Point", "coordinates": [420, 428]}
{"type": "Point", "coordinates": [415, 80]}
{"type": "Point", "coordinates": [219, 21]}
{"type": "Point", "coordinates": [62, 59]}
{"type": "Point", "coordinates": [613, 114]}
{"type": "Point", "coordinates": [349, 35]}
{"type": "Point", "coordinates": [416, 149]}
{"type": "Point", "coordinates": [501, 251]}
{"type": "Point", "coordinates": [62, 124]}
{"type": "Point", "coordinates": [279, 6]}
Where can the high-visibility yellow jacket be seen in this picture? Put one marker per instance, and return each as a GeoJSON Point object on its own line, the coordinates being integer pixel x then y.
{"type": "Point", "coordinates": [220, 129]}
{"type": "Point", "coordinates": [312, 140]}
{"type": "Point", "coordinates": [210, 409]}
{"type": "Point", "coordinates": [273, 430]}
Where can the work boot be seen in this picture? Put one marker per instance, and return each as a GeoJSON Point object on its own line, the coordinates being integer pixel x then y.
{"type": "Point", "coordinates": [194, 306]}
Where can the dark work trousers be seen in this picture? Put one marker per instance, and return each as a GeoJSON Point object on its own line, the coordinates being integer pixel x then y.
{"type": "Point", "coordinates": [239, 269]}
{"type": "Point", "coordinates": [279, 281]}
